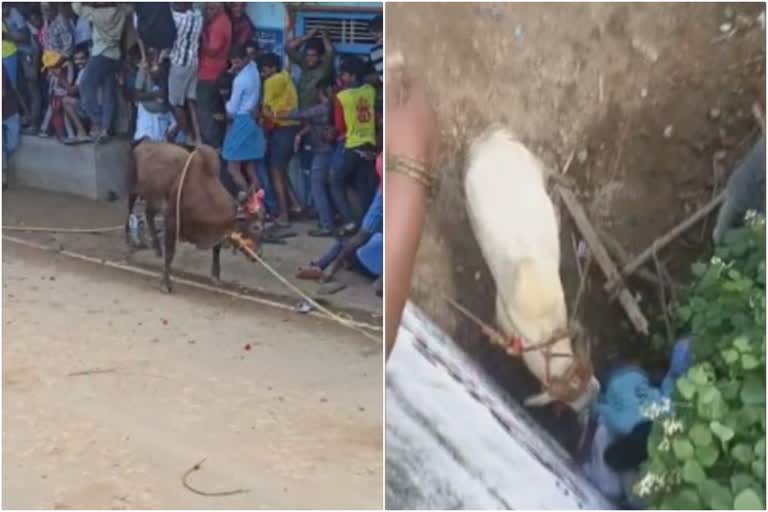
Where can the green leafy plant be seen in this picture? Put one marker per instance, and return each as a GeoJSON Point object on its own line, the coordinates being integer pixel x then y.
{"type": "Point", "coordinates": [706, 449]}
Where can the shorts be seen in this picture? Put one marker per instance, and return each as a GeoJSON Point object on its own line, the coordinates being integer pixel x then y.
{"type": "Point", "coordinates": [182, 84]}
{"type": "Point", "coordinates": [281, 146]}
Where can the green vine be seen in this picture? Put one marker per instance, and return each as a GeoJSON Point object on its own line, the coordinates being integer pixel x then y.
{"type": "Point", "coordinates": [706, 449]}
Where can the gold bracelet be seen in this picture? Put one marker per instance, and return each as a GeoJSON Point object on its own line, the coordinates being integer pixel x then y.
{"type": "Point", "coordinates": [411, 168]}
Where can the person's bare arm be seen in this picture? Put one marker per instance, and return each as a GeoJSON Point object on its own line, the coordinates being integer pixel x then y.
{"type": "Point", "coordinates": [327, 44]}
{"type": "Point", "coordinates": [410, 133]}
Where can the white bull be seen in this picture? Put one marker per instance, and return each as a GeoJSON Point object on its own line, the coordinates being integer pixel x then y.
{"type": "Point", "coordinates": [515, 225]}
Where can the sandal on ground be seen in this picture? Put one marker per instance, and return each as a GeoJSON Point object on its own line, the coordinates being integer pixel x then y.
{"type": "Point", "coordinates": [331, 287]}
{"type": "Point", "coordinates": [309, 273]}
{"type": "Point", "coordinates": [322, 232]}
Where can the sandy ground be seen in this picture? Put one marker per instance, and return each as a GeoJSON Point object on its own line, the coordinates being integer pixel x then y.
{"type": "Point", "coordinates": [297, 419]}
{"type": "Point", "coordinates": [602, 81]}
{"type": "Point", "coordinates": [31, 207]}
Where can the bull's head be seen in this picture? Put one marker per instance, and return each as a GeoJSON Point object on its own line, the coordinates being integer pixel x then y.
{"type": "Point", "coordinates": [251, 219]}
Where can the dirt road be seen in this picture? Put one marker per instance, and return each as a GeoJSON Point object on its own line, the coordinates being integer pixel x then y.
{"type": "Point", "coordinates": [111, 390]}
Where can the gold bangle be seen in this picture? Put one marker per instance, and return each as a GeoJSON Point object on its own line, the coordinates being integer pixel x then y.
{"type": "Point", "coordinates": [411, 168]}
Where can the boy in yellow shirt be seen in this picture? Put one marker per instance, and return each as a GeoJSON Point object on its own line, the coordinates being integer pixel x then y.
{"type": "Point", "coordinates": [355, 118]}
{"type": "Point", "coordinates": [279, 99]}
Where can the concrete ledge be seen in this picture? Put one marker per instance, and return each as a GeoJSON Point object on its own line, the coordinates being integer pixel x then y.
{"type": "Point", "coordinates": [87, 170]}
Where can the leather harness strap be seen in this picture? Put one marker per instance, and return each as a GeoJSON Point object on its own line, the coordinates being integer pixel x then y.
{"type": "Point", "coordinates": [567, 387]}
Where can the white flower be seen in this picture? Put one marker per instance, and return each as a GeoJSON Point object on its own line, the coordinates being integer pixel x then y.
{"type": "Point", "coordinates": [664, 445]}
{"type": "Point", "coordinates": [655, 410]}
{"type": "Point", "coordinates": [672, 427]}
{"type": "Point", "coordinates": [751, 214]}
{"type": "Point", "coordinates": [716, 261]}
{"type": "Point", "coordinates": [650, 483]}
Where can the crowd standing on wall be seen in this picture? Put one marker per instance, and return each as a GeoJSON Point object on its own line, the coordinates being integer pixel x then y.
{"type": "Point", "coordinates": [195, 77]}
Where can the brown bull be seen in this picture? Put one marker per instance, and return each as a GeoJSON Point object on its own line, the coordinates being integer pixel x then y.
{"type": "Point", "coordinates": [208, 214]}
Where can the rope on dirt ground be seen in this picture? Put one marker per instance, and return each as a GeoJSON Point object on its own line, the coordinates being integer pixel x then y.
{"type": "Point", "coordinates": [352, 324]}
{"type": "Point", "coordinates": [45, 229]}
{"type": "Point", "coordinates": [330, 314]}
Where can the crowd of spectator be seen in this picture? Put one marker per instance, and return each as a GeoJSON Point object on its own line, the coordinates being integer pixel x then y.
{"type": "Point", "coordinates": [196, 75]}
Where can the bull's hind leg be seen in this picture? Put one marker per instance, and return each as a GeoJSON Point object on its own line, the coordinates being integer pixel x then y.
{"type": "Point", "coordinates": [169, 241]}
{"type": "Point", "coordinates": [216, 264]}
{"type": "Point", "coordinates": [151, 213]}
{"type": "Point", "coordinates": [131, 202]}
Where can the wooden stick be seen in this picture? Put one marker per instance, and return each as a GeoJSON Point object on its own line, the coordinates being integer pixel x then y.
{"type": "Point", "coordinates": [623, 256]}
{"type": "Point", "coordinates": [664, 240]}
{"type": "Point", "coordinates": [663, 299]}
{"type": "Point", "coordinates": [600, 254]}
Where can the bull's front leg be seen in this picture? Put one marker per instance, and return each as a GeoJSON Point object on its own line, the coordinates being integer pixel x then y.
{"type": "Point", "coordinates": [169, 242]}
{"type": "Point", "coordinates": [216, 264]}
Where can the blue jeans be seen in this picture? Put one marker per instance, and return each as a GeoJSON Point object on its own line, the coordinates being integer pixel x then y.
{"type": "Point", "coordinates": [319, 185]}
{"type": "Point", "coordinates": [100, 72]}
{"type": "Point", "coordinates": [332, 253]}
{"type": "Point", "coordinates": [11, 65]}
{"type": "Point", "coordinates": [362, 172]}
{"type": "Point", "coordinates": [11, 130]}
{"type": "Point", "coordinates": [270, 200]}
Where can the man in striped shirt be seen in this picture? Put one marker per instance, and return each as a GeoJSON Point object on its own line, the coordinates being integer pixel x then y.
{"type": "Point", "coordinates": [376, 54]}
{"type": "Point", "coordinates": [182, 77]}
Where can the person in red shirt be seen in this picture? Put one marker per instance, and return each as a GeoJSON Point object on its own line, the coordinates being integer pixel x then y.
{"type": "Point", "coordinates": [215, 44]}
{"type": "Point", "coordinates": [242, 28]}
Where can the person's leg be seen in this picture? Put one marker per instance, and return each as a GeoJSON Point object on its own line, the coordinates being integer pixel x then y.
{"type": "Point", "coordinates": [191, 94]}
{"type": "Point", "coordinates": [278, 161]}
{"type": "Point", "coordinates": [205, 111]}
{"type": "Point", "coordinates": [109, 96]}
{"type": "Point", "coordinates": [11, 65]}
{"type": "Point", "coordinates": [339, 177]}
{"type": "Point", "coordinates": [235, 172]}
{"type": "Point", "coordinates": [270, 198]}
{"type": "Point", "coordinates": [69, 109]}
{"type": "Point", "coordinates": [194, 122]}
{"type": "Point", "coordinates": [319, 189]}
{"type": "Point", "coordinates": [250, 171]}
{"type": "Point", "coordinates": [332, 253]}
{"type": "Point", "coordinates": [89, 91]}
{"type": "Point", "coordinates": [365, 184]}
{"type": "Point", "coordinates": [11, 131]}
{"type": "Point", "coordinates": [177, 98]}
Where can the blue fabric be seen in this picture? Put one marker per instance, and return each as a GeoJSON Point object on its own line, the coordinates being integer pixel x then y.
{"type": "Point", "coordinates": [270, 199]}
{"type": "Point", "coordinates": [338, 156]}
{"type": "Point", "coordinates": [371, 255]}
{"type": "Point", "coordinates": [246, 89]}
{"type": "Point", "coordinates": [626, 393]}
{"type": "Point", "coordinates": [11, 131]}
{"type": "Point", "coordinates": [373, 222]}
{"type": "Point", "coordinates": [244, 140]}
{"type": "Point", "coordinates": [11, 65]}
{"type": "Point", "coordinates": [679, 363]}
{"type": "Point", "coordinates": [319, 186]}
{"type": "Point", "coordinates": [100, 73]}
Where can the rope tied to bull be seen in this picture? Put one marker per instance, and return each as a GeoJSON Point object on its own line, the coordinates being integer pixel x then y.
{"type": "Point", "coordinates": [182, 180]}
{"type": "Point", "coordinates": [566, 387]}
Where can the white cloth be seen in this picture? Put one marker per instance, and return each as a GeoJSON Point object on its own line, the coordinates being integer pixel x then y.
{"type": "Point", "coordinates": [152, 126]}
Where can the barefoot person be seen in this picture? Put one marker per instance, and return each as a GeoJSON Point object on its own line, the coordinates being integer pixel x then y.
{"type": "Point", "coordinates": [244, 143]}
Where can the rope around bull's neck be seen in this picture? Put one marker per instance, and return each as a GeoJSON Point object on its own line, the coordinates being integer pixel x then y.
{"type": "Point", "coordinates": [178, 193]}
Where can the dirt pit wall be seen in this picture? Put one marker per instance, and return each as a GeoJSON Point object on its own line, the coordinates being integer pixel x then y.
{"type": "Point", "coordinates": [654, 101]}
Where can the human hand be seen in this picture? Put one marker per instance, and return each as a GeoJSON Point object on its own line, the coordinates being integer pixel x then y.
{"type": "Point", "coordinates": [411, 127]}
{"type": "Point", "coordinates": [296, 143]}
